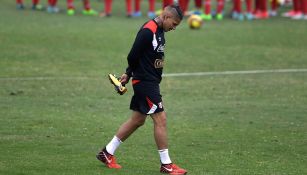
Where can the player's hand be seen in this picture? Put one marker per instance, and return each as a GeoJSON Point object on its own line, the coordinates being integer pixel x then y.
{"type": "Point", "coordinates": [124, 79]}
{"type": "Point", "coordinates": [119, 87]}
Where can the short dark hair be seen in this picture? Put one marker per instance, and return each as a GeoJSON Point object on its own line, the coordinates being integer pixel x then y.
{"type": "Point", "coordinates": [178, 10]}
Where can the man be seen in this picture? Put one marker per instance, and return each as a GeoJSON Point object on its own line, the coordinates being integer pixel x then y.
{"type": "Point", "coordinates": [207, 10]}
{"type": "Point", "coordinates": [145, 64]}
{"type": "Point", "coordinates": [137, 8]}
{"type": "Point", "coordinates": [87, 8]}
{"type": "Point", "coordinates": [35, 5]}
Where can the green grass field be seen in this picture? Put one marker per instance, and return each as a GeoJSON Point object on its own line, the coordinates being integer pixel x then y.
{"type": "Point", "coordinates": [57, 108]}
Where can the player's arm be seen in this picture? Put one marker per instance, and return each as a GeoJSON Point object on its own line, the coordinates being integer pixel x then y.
{"type": "Point", "coordinates": [142, 41]}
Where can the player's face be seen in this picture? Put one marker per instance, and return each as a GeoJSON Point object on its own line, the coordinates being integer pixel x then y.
{"type": "Point", "coordinates": [170, 23]}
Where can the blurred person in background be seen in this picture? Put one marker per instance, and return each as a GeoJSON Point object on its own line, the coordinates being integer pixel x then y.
{"type": "Point", "coordinates": [208, 13]}
{"type": "Point", "coordinates": [86, 11]}
{"type": "Point", "coordinates": [107, 9]}
{"type": "Point", "coordinates": [297, 12]}
{"type": "Point", "coordinates": [35, 5]}
{"type": "Point", "coordinates": [303, 11]}
{"type": "Point", "coordinates": [237, 10]}
{"type": "Point", "coordinates": [184, 5]}
{"type": "Point", "coordinates": [52, 6]}
{"type": "Point", "coordinates": [129, 10]}
{"type": "Point", "coordinates": [261, 9]}
{"type": "Point", "coordinates": [137, 8]}
{"type": "Point", "coordinates": [274, 7]}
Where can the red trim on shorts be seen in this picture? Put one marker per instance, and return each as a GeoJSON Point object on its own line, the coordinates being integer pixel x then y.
{"type": "Point", "coordinates": [150, 104]}
{"type": "Point", "coordinates": [134, 82]}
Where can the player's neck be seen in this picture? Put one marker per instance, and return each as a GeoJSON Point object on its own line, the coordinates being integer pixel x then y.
{"type": "Point", "coordinates": [159, 21]}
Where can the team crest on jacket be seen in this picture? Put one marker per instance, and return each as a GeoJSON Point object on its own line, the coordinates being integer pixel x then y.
{"type": "Point", "coordinates": [161, 48]}
{"type": "Point", "coordinates": [159, 63]}
{"type": "Point", "coordinates": [155, 44]}
{"type": "Point", "coordinates": [160, 105]}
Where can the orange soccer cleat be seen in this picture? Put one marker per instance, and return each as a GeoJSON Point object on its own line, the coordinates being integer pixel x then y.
{"type": "Point", "coordinates": [172, 169]}
{"type": "Point", "coordinates": [108, 159]}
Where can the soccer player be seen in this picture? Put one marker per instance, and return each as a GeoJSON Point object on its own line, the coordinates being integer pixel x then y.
{"type": "Point", "coordinates": [261, 9]}
{"type": "Point", "coordinates": [52, 8]}
{"type": "Point", "coordinates": [184, 5]}
{"type": "Point", "coordinates": [35, 5]}
{"type": "Point", "coordinates": [137, 8]}
{"type": "Point", "coordinates": [107, 9]}
{"type": "Point", "coordinates": [207, 10]}
{"type": "Point", "coordinates": [303, 9]}
{"type": "Point", "coordinates": [237, 10]}
{"type": "Point", "coordinates": [299, 10]}
{"type": "Point", "coordinates": [145, 64]}
{"type": "Point", "coordinates": [87, 8]}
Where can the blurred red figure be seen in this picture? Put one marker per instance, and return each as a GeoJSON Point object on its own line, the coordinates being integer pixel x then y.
{"type": "Point", "coordinates": [299, 10]}
{"type": "Point", "coordinates": [52, 8]}
{"type": "Point", "coordinates": [237, 10]}
{"type": "Point", "coordinates": [129, 9]}
{"type": "Point", "coordinates": [167, 2]}
{"type": "Point", "coordinates": [137, 8]}
{"type": "Point", "coordinates": [274, 6]}
{"type": "Point", "coordinates": [87, 8]}
{"type": "Point", "coordinates": [107, 9]}
{"type": "Point", "coordinates": [184, 5]}
{"type": "Point", "coordinates": [261, 9]}
{"type": "Point", "coordinates": [302, 10]}
{"type": "Point", "coordinates": [207, 10]}
{"type": "Point", "coordinates": [35, 5]}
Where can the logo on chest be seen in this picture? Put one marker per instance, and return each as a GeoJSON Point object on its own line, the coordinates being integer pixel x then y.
{"type": "Point", "coordinates": [157, 44]}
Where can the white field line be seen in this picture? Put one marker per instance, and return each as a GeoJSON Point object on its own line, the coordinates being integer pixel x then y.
{"type": "Point", "coordinates": [164, 75]}
{"type": "Point", "coordinates": [234, 72]}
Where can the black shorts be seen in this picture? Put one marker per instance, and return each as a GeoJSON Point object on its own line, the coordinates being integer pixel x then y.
{"type": "Point", "coordinates": [147, 98]}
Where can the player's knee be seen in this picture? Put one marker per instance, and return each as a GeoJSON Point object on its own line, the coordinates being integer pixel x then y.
{"type": "Point", "coordinates": [139, 122]}
{"type": "Point", "coordinates": [162, 122]}
{"type": "Point", "coordinates": [159, 119]}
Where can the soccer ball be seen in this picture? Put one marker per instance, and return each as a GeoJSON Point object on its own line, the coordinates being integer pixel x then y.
{"type": "Point", "coordinates": [195, 21]}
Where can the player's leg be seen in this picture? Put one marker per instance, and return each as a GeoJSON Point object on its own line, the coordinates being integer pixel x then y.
{"type": "Point", "coordinates": [151, 11]}
{"type": "Point", "coordinates": [262, 13]}
{"type": "Point", "coordinates": [220, 8]}
{"type": "Point", "coordinates": [167, 2]}
{"type": "Point", "coordinates": [137, 119]}
{"type": "Point", "coordinates": [129, 8]}
{"type": "Point", "coordinates": [52, 6]}
{"type": "Point", "coordinates": [20, 5]}
{"type": "Point", "coordinates": [107, 9]}
{"type": "Point", "coordinates": [106, 155]}
{"type": "Point", "coordinates": [207, 11]}
{"type": "Point", "coordinates": [237, 10]}
{"type": "Point", "coordinates": [70, 7]}
{"type": "Point", "coordinates": [304, 9]}
{"type": "Point", "coordinates": [299, 10]}
{"type": "Point", "coordinates": [36, 5]}
{"type": "Point", "coordinates": [160, 134]}
{"type": "Point", "coordinates": [182, 5]}
{"type": "Point", "coordinates": [87, 8]}
{"type": "Point", "coordinates": [198, 6]}
{"type": "Point", "coordinates": [137, 8]}
{"type": "Point", "coordinates": [257, 7]}
{"type": "Point", "coordinates": [274, 5]}
{"type": "Point", "coordinates": [249, 11]}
